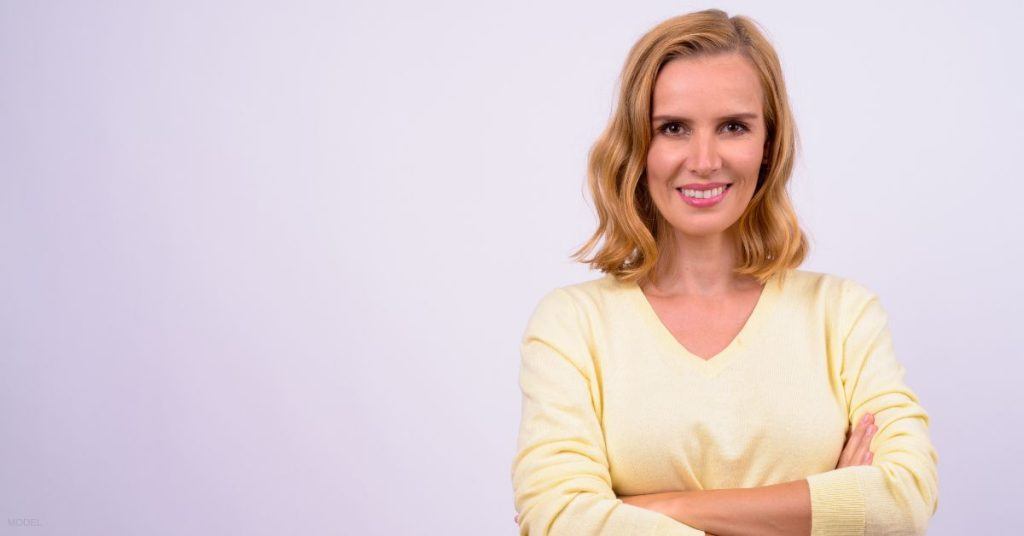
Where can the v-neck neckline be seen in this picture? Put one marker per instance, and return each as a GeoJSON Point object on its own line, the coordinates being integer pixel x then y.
{"type": "Point", "coordinates": [678, 353]}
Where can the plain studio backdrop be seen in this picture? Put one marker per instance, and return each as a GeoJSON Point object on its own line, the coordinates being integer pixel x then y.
{"type": "Point", "coordinates": [264, 267]}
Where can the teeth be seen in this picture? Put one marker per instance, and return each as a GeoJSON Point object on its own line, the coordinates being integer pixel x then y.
{"type": "Point", "coordinates": [703, 194]}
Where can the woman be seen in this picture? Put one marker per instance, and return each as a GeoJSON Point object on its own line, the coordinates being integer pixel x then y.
{"type": "Point", "coordinates": [705, 384]}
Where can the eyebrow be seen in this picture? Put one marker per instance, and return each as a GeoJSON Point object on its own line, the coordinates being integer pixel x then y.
{"type": "Point", "coordinates": [744, 115]}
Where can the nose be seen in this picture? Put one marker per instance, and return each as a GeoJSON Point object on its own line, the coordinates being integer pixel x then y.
{"type": "Point", "coordinates": [703, 158]}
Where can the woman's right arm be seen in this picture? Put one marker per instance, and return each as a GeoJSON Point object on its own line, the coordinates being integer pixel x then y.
{"type": "Point", "coordinates": [560, 473]}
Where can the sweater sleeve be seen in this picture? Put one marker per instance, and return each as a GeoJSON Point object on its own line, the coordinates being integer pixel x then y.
{"type": "Point", "coordinates": [899, 492]}
{"type": "Point", "coordinates": [560, 475]}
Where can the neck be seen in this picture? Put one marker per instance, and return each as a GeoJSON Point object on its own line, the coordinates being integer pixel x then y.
{"type": "Point", "coordinates": [700, 266]}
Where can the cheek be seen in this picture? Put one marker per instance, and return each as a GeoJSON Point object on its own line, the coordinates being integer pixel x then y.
{"type": "Point", "coordinates": [747, 160]}
{"type": "Point", "coordinates": [660, 161]}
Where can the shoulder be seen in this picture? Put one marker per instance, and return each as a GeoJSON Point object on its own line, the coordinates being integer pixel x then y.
{"type": "Point", "coordinates": [587, 297]}
{"type": "Point", "coordinates": [852, 296]}
{"type": "Point", "coordinates": [834, 288]}
{"type": "Point", "coordinates": [841, 300]}
{"type": "Point", "coordinates": [812, 281]}
{"type": "Point", "coordinates": [578, 306]}
{"type": "Point", "coordinates": [563, 320]}
{"type": "Point", "coordinates": [850, 306]}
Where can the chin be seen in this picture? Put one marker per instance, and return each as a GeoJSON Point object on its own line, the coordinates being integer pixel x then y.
{"type": "Point", "coordinates": [709, 229]}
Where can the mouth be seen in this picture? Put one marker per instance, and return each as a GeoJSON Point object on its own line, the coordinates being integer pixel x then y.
{"type": "Point", "coordinates": [703, 198]}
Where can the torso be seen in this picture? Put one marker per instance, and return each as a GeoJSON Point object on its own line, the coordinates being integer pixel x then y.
{"type": "Point", "coordinates": [705, 326]}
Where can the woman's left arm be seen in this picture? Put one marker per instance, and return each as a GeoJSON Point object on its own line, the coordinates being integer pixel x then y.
{"type": "Point", "coordinates": [899, 492]}
{"type": "Point", "coordinates": [779, 509]}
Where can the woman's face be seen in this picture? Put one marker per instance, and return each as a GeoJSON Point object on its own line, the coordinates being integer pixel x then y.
{"type": "Point", "coordinates": [708, 132]}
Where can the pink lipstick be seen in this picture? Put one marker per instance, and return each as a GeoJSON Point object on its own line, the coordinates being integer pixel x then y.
{"type": "Point", "coordinates": [698, 190]}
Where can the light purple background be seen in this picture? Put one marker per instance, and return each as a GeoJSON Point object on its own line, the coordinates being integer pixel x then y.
{"type": "Point", "coordinates": [265, 266]}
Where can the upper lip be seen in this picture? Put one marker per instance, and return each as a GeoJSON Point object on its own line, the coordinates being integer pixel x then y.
{"type": "Point", "coordinates": [702, 186]}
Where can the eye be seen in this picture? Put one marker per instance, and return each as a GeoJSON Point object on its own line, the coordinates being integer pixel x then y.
{"type": "Point", "coordinates": [742, 128]}
{"type": "Point", "coordinates": [666, 128]}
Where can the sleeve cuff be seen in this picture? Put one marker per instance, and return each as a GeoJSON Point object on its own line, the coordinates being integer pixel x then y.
{"type": "Point", "coordinates": [837, 503]}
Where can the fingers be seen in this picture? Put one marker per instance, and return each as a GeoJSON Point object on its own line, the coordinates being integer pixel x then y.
{"type": "Point", "coordinates": [861, 457]}
{"type": "Point", "coordinates": [851, 445]}
{"type": "Point", "coordinates": [860, 438]}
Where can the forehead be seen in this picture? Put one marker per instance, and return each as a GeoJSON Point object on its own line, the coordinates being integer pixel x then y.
{"type": "Point", "coordinates": [707, 85]}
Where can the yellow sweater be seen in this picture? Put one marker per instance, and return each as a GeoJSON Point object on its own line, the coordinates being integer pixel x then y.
{"type": "Point", "coordinates": [614, 405]}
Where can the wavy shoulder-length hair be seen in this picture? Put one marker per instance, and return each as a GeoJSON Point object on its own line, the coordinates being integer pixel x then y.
{"type": "Point", "coordinates": [769, 237]}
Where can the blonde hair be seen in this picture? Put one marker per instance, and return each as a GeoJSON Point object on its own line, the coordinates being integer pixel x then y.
{"type": "Point", "coordinates": [770, 239]}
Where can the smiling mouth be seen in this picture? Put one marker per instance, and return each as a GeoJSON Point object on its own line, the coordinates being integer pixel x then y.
{"type": "Point", "coordinates": [704, 194]}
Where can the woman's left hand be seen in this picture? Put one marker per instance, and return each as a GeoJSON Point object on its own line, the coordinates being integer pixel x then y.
{"type": "Point", "coordinates": [659, 502]}
{"type": "Point", "coordinates": [668, 503]}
